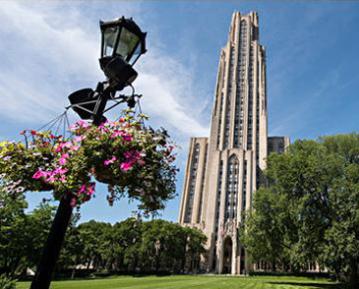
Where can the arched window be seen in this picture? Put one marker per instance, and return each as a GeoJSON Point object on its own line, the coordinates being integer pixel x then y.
{"type": "Point", "coordinates": [232, 188]}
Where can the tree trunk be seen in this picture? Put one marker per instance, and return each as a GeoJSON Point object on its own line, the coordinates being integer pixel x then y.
{"type": "Point", "coordinates": [73, 272]}
{"type": "Point", "coordinates": [53, 245]}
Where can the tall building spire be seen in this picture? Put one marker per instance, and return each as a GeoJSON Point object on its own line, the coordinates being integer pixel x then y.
{"type": "Point", "coordinates": [224, 170]}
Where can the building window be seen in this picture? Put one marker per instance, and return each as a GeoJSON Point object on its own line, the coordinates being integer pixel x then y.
{"type": "Point", "coordinates": [219, 193]}
{"type": "Point", "coordinates": [231, 187]}
{"type": "Point", "coordinates": [244, 189]}
{"type": "Point", "coordinates": [238, 138]}
{"type": "Point", "coordinates": [192, 184]}
{"type": "Point", "coordinates": [229, 94]}
{"type": "Point", "coordinates": [202, 186]}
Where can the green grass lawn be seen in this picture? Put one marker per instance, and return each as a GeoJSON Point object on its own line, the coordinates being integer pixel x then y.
{"type": "Point", "coordinates": [184, 282]}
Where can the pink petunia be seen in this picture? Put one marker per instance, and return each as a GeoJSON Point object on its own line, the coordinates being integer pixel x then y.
{"type": "Point", "coordinates": [82, 189]}
{"type": "Point", "coordinates": [87, 190]}
{"type": "Point", "coordinates": [60, 171]}
{"type": "Point", "coordinates": [110, 161]}
{"type": "Point", "coordinates": [79, 124]}
{"type": "Point", "coordinates": [127, 137]}
{"type": "Point", "coordinates": [82, 123]}
{"type": "Point", "coordinates": [79, 138]}
{"type": "Point", "coordinates": [132, 154]}
{"type": "Point", "coordinates": [125, 166]}
{"type": "Point", "coordinates": [39, 174]}
{"type": "Point", "coordinates": [117, 133]}
{"type": "Point", "coordinates": [91, 189]}
{"type": "Point", "coordinates": [50, 177]}
{"type": "Point", "coordinates": [62, 145]}
{"type": "Point", "coordinates": [63, 159]}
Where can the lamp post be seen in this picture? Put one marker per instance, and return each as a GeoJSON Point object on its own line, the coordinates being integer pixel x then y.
{"type": "Point", "coordinates": [122, 44]}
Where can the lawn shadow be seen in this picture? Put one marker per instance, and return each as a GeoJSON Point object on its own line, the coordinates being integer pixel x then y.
{"type": "Point", "coordinates": [310, 284]}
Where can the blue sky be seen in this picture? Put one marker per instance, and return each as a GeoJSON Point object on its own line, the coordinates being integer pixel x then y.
{"type": "Point", "coordinates": [49, 49]}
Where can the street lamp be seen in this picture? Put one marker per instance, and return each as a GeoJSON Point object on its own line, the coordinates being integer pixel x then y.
{"type": "Point", "coordinates": [122, 43]}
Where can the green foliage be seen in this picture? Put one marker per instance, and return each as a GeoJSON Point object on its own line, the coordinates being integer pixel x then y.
{"type": "Point", "coordinates": [21, 235]}
{"type": "Point", "coordinates": [268, 219]}
{"type": "Point", "coordinates": [37, 228]}
{"type": "Point", "coordinates": [134, 245]}
{"type": "Point", "coordinates": [127, 246]}
{"type": "Point", "coordinates": [310, 211]}
{"type": "Point", "coordinates": [13, 241]}
{"type": "Point", "coordinates": [7, 283]}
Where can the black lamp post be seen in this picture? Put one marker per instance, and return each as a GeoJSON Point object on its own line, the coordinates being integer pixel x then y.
{"type": "Point", "coordinates": [122, 44]}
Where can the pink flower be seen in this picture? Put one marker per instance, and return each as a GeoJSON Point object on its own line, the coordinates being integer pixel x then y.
{"type": "Point", "coordinates": [79, 124]}
{"type": "Point", "coordinates": [82, 190]}
{"type": "Point", "coordinates": [62, 145]}
{"type": "Point", "coordinates": [63, 159]}
{"type": "Point", "coordinates": [132, 154]}
{"type": "Point", "coordinates": [117, 133]}
{"type": "Point", "coordinates": [82, 123]}
{"type": "Point", "coordinates": [110, 161]}
{"type": "Point", "coordinates": [51, 178]}
{"type": "Point", "coordinates": [91, 189]}
{"type": "Point", "coordinates": [39, 174]}
{"type": "Point", "coordinates": [127, 137]}
{"type": "Point", "coordinates": [125, 166]}
{"type": "Point", "coordinates": [60, 171]}
{"type": "Point", "coordinates": [87, 190]}
{"type": "Point", "coordinates": [79, 138]}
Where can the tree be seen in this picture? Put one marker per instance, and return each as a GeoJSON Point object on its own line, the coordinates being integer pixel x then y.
{"type": "Point", "coordinates": [341, 251]}
{"type": "Point", "coordinates": [36, 230]}
{"type": "Point", "coordinates": [309, 212]}
{"type": "Point", "coordinates": [264, 232]}
{"type": "Point", "coordinates": [12, 239]}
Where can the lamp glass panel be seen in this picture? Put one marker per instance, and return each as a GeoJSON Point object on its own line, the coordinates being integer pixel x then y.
{"type": "Point", "coordinates": [127, 43]}
{"type": "Point", "coordinates": [109, 37]}
{"type": "Point", "coordinates": [136, 54]}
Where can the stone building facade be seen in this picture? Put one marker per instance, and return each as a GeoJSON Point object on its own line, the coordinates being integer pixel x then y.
{"type": "Point", "coordinates": [224, 170]}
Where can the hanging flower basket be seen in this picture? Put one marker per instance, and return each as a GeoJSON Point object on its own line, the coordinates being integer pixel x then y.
{"type": "Point", "coordinates": [125, 154]}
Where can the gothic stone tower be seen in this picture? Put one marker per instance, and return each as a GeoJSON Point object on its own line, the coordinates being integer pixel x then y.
{"type": "Point", "coordinates": [224, 170]}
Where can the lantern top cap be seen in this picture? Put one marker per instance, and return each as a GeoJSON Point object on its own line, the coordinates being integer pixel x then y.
{"type": "Point", "coordinates": [130, 25]}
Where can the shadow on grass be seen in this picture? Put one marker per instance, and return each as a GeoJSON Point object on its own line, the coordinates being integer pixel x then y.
{"type": "Point", "coordinates": [310, 284]}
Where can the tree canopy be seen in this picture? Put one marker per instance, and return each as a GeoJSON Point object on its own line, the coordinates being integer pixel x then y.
{"type": "Point", "coordinates": [129, 246]}
{"type": "Point", "coordinates": [309, 212]}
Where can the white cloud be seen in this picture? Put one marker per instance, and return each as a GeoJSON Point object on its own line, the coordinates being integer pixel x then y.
{"type": "Point", "coordinates": [50, 52]}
